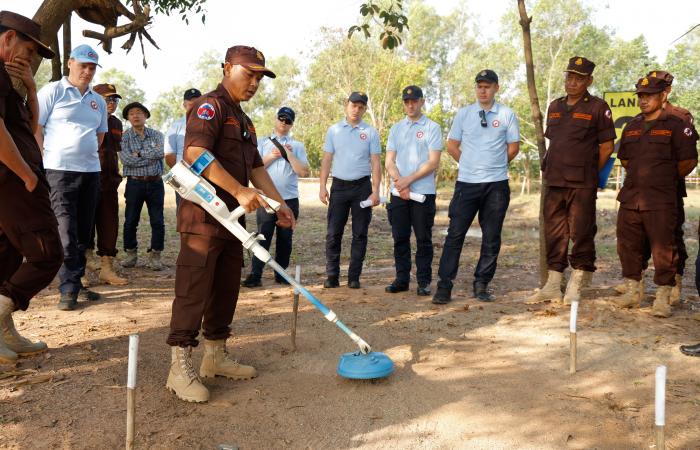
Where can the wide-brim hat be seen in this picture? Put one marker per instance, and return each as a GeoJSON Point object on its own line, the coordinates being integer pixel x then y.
{"type": "Point", "coordinates": [130, 106]}
{"type": "Point", "coordinates": [28, 28]}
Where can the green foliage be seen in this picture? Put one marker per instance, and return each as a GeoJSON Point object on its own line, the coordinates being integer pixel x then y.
{"type": "Point", "coordinates": [126, 85]}
{"type": "Point", "coordinates": [390, 18]}
{"type": "Point", "coordinates": [682, 62]}
{"type": "Point", "coordinates": [183, 7]}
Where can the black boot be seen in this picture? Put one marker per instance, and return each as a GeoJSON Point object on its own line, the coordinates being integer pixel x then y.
{"type": "Point", "coordinates": [88, 295]}
{"type": "Point", "coordinates": [68, 301]}
{"type": "Point", "coordinates": [396, 286]}
{"type": "Point", "coordinates": [331, 282]}
{"type": "Point", "coordinates": [251, 281]}
{"type": "Point", "coordinates": [691, 350]}
{"type": "Point", "coordinates": [481, 292]}
{"type": "Point", "coordinates": [423, 291]}
{"type": "Point", "coordinates": [442, 296]}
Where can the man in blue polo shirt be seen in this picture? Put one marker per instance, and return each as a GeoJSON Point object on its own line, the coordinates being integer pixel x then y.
{"type": "Point", "coordinates": [72, 125]}
{"type": "Point", "coordinates": [484, 138]}
{"type": "Point", "coordinates": [353, 148]}
{"type": "Point", "coordinates": [175, 136]}
{"type": "Point", "coordinates": [285, 161]}
{"type": "Point", "coordinates": [412, 154]}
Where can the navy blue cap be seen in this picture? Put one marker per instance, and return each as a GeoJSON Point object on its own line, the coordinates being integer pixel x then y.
{"type": "Point", "coordinates": [358, 97]}
{"type": "Point", "coordinates": [411, 93]}
{"type": "Point", "coordinates": [487, 75]}
{"type": "Point", "coordinates": [191, 93]}
{"type": "Point", "coordinates": [286, 112]}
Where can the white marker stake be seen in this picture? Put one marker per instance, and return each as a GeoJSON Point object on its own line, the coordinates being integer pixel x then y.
{"type": "Point", "coordinates": [660, 407]}
{"type": "Point", "coordinates": [572, 337]}
{"type": "Point", "coordinates": [297, 277]}
{"type": "Point", "coordinates": [131, 391]}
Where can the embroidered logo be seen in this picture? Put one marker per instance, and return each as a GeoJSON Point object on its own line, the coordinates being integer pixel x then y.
{"type": "Point", "coordinates": [608, 114]}
{"type": "Point", "coordinates": [206, 111]}
{"type": "Point", "coordinates": [579, 61]}
{"type": "Point", "coordinates": [496, 124]}
{"type": "Point", "coordinates": [582, 116]}
{"type": "Point", "coordinates": [419, 135]}
{"type": "Point", "coordinates": [554, 115]}
{"type": "Point", "coordinates": [93, 105]}
{"type": "Point", "coordinates": [660, 133]}
{"type": "Point", "coordinates": [688, 132]}
{"type": "Point", "coordinates": [363, 136]}
{"type": "Point", "coordinates": [633, 133]}
{"type": "Point", "coordinates": [645, 81]}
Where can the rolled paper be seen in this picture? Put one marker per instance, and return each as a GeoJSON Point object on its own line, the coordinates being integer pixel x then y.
{"type": "Point", "coordinates": [416, 197]}
{"type": "Point", "coordinates": [368, 202]}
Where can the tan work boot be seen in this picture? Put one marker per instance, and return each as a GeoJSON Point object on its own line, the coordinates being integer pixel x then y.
{"type": "Point", "coordinates": [676, 291]}
{"type": "Point", "coordinates": [573, 289]}
{"type": "Point", "coordinates": [92, 261]}
{"type": "Point", "coordinates": [216, 362]}
{"type": "Point", "coordinates": [108, 275]}
{"type": "Point", "coordinates": [182, 379]}
{"type": "Point", "coordinates": [18, 343]}
{"type": "Point", "coordinates": [631, 298]}
{"type": "Point", "coordinates": [550, 291]}
{"type": "Point", "coordinates": [131, 258]}
{"type": "Point", "coordinates": [7, 355]}
{"type": "Point", "coordinates": [661, 307]}
{"type": "Point", "coordinates": [155, 263]}
{"type": "Point", "coordinates": [587, 279]}
{"type": "Point", "coordinates": [622, 287]}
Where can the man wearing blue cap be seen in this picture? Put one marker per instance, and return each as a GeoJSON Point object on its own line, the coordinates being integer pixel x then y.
{"type": "Point", "coordinates": [72, 125]}
{"type": "Point", "coordinates": [285, 161]}
{"type": "Point", "coordinates": [175, 136]}
{"type": "Point", "coordinates": [352, 147]}
{"type": "Point", "coordinates": [412, 154]}
{"type": "Point", "coordinates": [484, 138]}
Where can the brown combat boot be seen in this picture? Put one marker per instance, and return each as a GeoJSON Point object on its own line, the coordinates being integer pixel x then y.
{"type": "Point", "coordinates": [217, 363]}
{"type": "Point", "coordinates": [631, 298]}
{"type": "Point", "coordinates": [661, 307]}
{"type": "Point", "coordinates": [550, 291]}
{"type": "Point", "coordinates": [108, 275]}
{"type": "Point", "coordinates": [182, 379]}
{"type": "Point", "coordinates": [622, 287]}
{"type": "Point", "coordinates": [676, 291]}
{"type": "Point", "coordinates": [92, 262]}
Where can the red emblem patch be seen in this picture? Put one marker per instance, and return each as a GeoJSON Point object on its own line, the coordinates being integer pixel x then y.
{"type": "Point", "coordinates": [363, 136]}
{"type": "Point", "coordinates": [419, 135]}
{"type": "Point", "coordinates": [93, 105]}
{"type": "Point", "coordinates": [496, 123]}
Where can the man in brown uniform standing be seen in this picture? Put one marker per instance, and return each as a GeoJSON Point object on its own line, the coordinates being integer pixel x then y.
{"type": "Point", "coordinates": [657, 149]}
{"type": "Point", "coordinates": [107, 212]}
{"type": "Point", "coordinates": [581, 134]}
{"type": "Point", "coordinates": [208, 272]}
{"type": "Point", "coordinates": [30, 246]}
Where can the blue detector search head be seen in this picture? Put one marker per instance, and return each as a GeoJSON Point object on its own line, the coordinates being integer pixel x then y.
{"type": "Point", "coordinates": [359, 366]}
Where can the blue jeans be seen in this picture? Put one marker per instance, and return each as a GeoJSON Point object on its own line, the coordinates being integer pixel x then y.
{"type": "Point", "coordinates": [74, 201]}
{"type": "Point", "coordinates": [283, 246]}
{"type": "Point", "coordinates": [490, 201]}
{"type": "Point", "coordinates": [136, 194]}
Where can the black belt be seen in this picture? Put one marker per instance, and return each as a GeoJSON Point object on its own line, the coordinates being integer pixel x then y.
{"type": "Point", "coordinates": [350, 182]}
{"type": "Point", "coordinates": [144, 178]}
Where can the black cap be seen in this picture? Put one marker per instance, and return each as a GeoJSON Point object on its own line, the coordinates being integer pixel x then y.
{"type": "Point", "coordinates": [358, 97]}
{"type": "Point", "coordinates": [286, 112]}
{"type": "Point", "coordinates": [580, 65]}
{"type": "Point", "coordinates": [650, 85]}
{"type": "Point", "coordinates": [191, 93]}
{"type": "Point", "coordinates": [127, 108]}
{"type": "Point", "coordinates": [487, 75]}
{"type": "Point", "coordinates": [411, 93]}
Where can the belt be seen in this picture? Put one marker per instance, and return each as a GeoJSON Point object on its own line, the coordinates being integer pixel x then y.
{"type": "Point", "coordinates": [350, 182]}
{"type": "Point", "coordinates": [144, 178]}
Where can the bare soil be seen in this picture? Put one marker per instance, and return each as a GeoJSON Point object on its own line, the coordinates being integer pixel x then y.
{"type": "Point", "coordinates": [468, 375]}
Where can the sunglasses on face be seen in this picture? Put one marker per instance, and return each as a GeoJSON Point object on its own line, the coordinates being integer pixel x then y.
{"type": "Point", "coordinates": [482, 115]}
{"type": "Point", "coordinates": [112, 100]}
{"type": "Point", "coordinates": [285, 120]}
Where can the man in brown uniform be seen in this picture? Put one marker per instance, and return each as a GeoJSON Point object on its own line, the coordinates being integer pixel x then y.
{"type": "Point", "coordinates": [657, 149]}
{"type": "Point", "coordinates": [30, 247]}
{"type": "Point", "coordinates": [210, 260]}
{"type": "Point", "coordinates": [581, 134]}
{"type": "Point", "coordinates": [107, 212]}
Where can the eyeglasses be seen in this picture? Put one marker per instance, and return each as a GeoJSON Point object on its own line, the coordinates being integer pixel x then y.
{"type": "Point", "coordinates": [285, 120]}
{"type": "Point", "coordinates": [112, 100]}
{"type": "Point", "coordinates": [482, 114]}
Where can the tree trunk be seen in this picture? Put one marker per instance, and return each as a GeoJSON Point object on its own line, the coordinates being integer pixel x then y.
{"type": "Point", "coordinates": [67, 44]}
{"type": "Point", "coordinates": [537, 120]}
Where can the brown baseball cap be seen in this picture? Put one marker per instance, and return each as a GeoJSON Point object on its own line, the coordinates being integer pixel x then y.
{"type": "Point", "coordinates": [661, 74]}
{"type": "Point", "coordinates": [580, 65]}
{"type": "Point", "coordinates": [650, 85]}
{"type": "Point", "coordinates": [106, 90]}
{"type": "Point", "coordinates": [250, 58]}
{"type": "Point", "coordinates": [27, 28]}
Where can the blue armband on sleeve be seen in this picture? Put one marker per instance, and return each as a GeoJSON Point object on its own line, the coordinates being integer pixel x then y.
{"type": "Point", "coordinates": [202, 162]}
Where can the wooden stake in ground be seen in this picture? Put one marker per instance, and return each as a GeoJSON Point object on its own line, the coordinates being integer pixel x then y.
{"type": "Point", "coordinates": [660, 407]}
{"type": "Point", "coordinates": [572, 337]}
{"type": "Point", "coordinates": [297, 277]}
{"type": "Point", "coordinates": [131, 391]}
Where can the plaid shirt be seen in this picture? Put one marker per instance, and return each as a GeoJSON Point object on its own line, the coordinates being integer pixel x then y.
{"type": "Point", "coordinates": [142, 157]}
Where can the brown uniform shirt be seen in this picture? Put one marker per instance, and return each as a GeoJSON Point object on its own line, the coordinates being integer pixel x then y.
{"type": "Point", "coordinates": [109, 161]}
{"type": "Point", "coordinates": [216, 122]}
{"type": "Point", "coordinates": [17, 117]}
{"type": "Point", "coordinates": [574, 133]}
{"type": "Point", "coordinates": [652, 180]}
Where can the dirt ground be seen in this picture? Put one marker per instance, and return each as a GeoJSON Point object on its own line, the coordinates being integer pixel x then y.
{"type": "Point", "coordinates": [468, 375]}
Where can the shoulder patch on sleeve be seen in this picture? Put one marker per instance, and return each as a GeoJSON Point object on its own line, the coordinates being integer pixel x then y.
{"type": "Point", "coordinates": [688, 132]}
{"type": "Point", "coordinates": [206, 111]}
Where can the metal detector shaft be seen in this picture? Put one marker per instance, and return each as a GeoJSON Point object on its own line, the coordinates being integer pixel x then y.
{"type": "Point", "coordinates": [196, 189]}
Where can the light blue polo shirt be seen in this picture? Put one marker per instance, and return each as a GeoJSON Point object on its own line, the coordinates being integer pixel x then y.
{"type": "Point", "coordinates": [71, 121]}
{"type": "Point", "coordinates": [412, 142]}
{"type": "Point", "coordinates": [351, 148]}
{"type": "Point", "coordinates": [285, 178]}
{"type": "Point", "coordinates": [175, 139]}
{"type": "Point", "coordinates": [484, 149]}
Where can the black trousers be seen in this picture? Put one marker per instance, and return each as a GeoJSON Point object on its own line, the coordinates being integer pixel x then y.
{"type": "Point", "coordinates": [73, 200]}
{"type": "Point", "coordinates": [283, 246]}
{"type": "Point", "coordinates": [404, 215]}
{"type": "Point", "coordinates": [490, 201]}
{"type": "Point", "coordinates": [345, 199]}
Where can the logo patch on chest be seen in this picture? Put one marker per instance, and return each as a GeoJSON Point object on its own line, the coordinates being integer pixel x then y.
{"type": "Point", "coordinates": [93, 105]}
{"type": "Point", "coordinates": [206, 111]}
{"type": "Point", "coordinates": [363, 136]}
{"type": "Point", "coordinates": [419, 135]}
{"type": "Point", "coordinates": [496, 123]}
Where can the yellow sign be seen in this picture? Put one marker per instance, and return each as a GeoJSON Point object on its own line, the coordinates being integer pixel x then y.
{"type": "Point", "coordinates": [624, 108]}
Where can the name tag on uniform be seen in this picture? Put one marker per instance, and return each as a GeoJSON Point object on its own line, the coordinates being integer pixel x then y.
{"type": "Point", "coordinates": [660, 133]}
{"type": "Point", "coordinates": [583, 116]}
